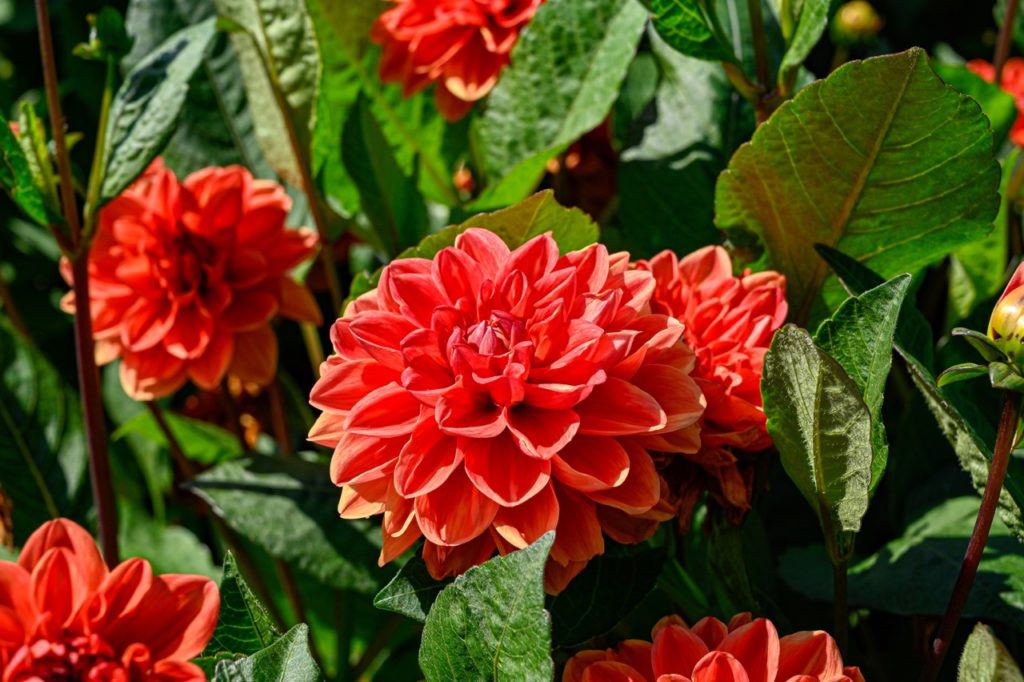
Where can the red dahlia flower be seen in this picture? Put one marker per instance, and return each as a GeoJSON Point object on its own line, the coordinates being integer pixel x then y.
{"type": "Point", "coordinates": [710, 651]}
{"type": "Point", "coordinates": [486, 397]}
{"type": "Point", "coordinates": [729, 323]}
{"type": "Point", "coordinates": [1012, 83]}
{"type": "Point", "coordinates": [185, 277]}
{"type": "Point", "coordinates": [461, 44]}
{"type": "Point", "coordinates": [64, 616]}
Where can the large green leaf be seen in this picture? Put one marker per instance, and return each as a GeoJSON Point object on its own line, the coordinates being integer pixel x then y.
{"type": "Point", "coordinates": [148, 105]}
{"type": "Point", "coordinates": [564, 77]}
{"type": "Point", "coordinates": [692, 28]}
{"type": "Point", "coordinates": [860, 336]}
{"type": "Point", "coordinates": [286, 660]}
{"type": "Point", "coordinates": [490, 624]}
{"type": "Point", "coordinates": [16, 176]}
{"type": "Point", "coordinates": [411, 592]}
{"type": "Point", "coordinates": [985, 659]}
{"type": "Point", "coordinates": [914, 574]}
{"type": "Point", "coordinates": [277, 53]}
{"type": "Point", "coordinates": [43, 460]}
{"type": "Point", "coordinates": [822, 429]}
{"type": "Point", "coordinates": [881, 160]}
{"type": "Point", "coordinates": [288, 507]}
{"type": "Point", "coordinates": [997, 104]}
{"type": "Point", "coordinates": [244, 626]}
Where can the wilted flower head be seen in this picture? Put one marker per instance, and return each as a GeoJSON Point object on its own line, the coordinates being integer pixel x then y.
{"type": "Point", "coordinates": [185, 277]}
{"type": "Point", "coordinates": [729, 322]}
{"type": "Point", "coordinates": [1012, 82]}
{"type": "Point", "coordinates": [486, 397]}
{"type": "Point", "coordinates": [64, 616]}
{"type": "Point", "coordinates": [462, 45]}
{"type": "Point", "coordinates": [711, 651]}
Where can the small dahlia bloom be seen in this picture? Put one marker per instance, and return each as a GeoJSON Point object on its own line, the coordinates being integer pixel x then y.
{"type": "Point", "coordinates": [729, 322]}
{"type": "Point", "coordinates": [486, 397]}
{"type": "Point", "coordinates": [1012, 83]}
{"type": "Point", "coordinates": [64, 616]}
{"type": "Point", "coordinates": [462, 45]}
{"type": "Point", "coordinates": [745, 650]}
{"type": "Point", "coordinates": [185, 278]}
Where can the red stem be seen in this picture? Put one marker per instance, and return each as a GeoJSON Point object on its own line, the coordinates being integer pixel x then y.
{"type": "Point", "coordinates": [1003, 42]}
{"type": "Point", "coordinates": [976, 546]}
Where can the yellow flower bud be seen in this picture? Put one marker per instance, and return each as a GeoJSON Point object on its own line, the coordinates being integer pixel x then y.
{"type": "Point", "coordinates": [855, 22]}
{"type": "Point", "coordinates": [1006, 326]}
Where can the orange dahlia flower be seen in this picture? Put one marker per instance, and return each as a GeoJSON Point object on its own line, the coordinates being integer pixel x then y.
{"type": "Point", "coordinates": [729, 323]}
{"type": "Point", "coordinates": [462, 45]}
{"type": "Point", "coordinates": [64, 616]}
{"type": "Point", "coordinates": [744, 651]}
{"type": "Point", "coordinates": [486, 397]}
{"type": "Point", "coordinates": [185, 277]}
{"type": "Point", "coordinates": [1012, 83]}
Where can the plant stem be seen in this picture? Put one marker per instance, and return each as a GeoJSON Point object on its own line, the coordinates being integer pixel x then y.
{"type": "Point", "coordinates": [760, 56]}
{"type": "Point", "coordinates": [976, 546]}
{"type": "Point", "coordinates": [96, 173]}
{"type": "Point", "coordinates": [311, 338]}
{"type": "Point", "coordinates": [377, 645]}
{"type": "Point", "coordinates": [279, 419]}
{"type": "Point", "coordinates": [1005, 37]}
{"type": "Point", "coordinates": [842, 613]}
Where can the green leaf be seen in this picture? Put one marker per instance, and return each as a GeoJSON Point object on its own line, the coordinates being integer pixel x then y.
{"type": "Point", "coordinates": [995, 102]}
{"type": "Point", "coordinates": [244, 626]}
{"type": "Point", "coordinates": [200, 441]}
{"type": "Point", "coordinates": [809, 26]}
{"type": "Point", "coordinates": [822, 429]}
{"type": "Point", "coordinates": [985, 659]}
{"type": "Point", "coordinates": [914, 574]}
{"type": "Point", "coordinates": [390, 200]}
{"type": "Point", "coordinates": [490, 623]}
{"type": "Point", "coordinates": [859, 335]}
{"type": "Point", "coordinates": [411, 592]}
{"type": "Point", "coordinates": [881, 160]}
{"type": "Point", "coordinates": [961, 372]}
{"type": "Point", "coordinates": [607, 591]}
{"type": "Point", "coordinates": [43, 460]}
{"type": "Point", "coordinates": [563, 79]}
{"type": "Point", "coordinates": [1003, 376]}
{"type": "Point", "coordinates": [146, 108]}
{"type": "Point", "coordinates": [280, 64]}
{"type": "Point", "coordinates": [16, 176]}
{"type": "Point", "coordinates": [988, 348]}
{"type": "Point", "coordinates": [690, 29]}
{"type": "Point", "coordinates": [169, 548]}
{"type": "Point", "coordinates": [107, 37]}
{"type": "Point", "coordinates": [288, 507]}
{"type": "Point", "coordinates": [286, 660]}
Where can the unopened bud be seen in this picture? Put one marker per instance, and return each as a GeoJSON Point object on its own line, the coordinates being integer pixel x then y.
{"type": "Point", "coordinates": [855, 23]}
{"type": "Point", "coordinates": [1006, 326]}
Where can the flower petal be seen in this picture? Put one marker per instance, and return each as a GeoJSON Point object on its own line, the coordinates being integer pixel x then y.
{"type": "Point", "coordinates": [676, 650]}
{"type": "Point", "coordinates": [385, 412]}
{"type": "Point", "coordinates": [426, 460]}
{"type": "Point", "coordinates": [499, 469]}
{"type": "Point", "coordinates": [592, 463]}
{"type": "Point", "coordinates": [618, 408]}
{"type": "Point", "coordinates": [756, 647]}
{"type": "Point", "coordinates": [523, 524]}
{"type": "Point", "coordinates": [641, 489]}
{"type": "Point", "coordinates": [454, 513]}
{"type": "Point", "coordinates": [541, 433]}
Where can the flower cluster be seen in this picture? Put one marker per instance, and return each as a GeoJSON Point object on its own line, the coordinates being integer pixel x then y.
{"type": "Point", "coordinates": [462, 45]}
{"type": "Point", "coordinates": [1012, 81]}
{"type": "Point", "coordinates": [486, 397]}
{"type": "Point", "coordinates": [729, 322]}
{"type": "Point", "coordinates": [64, 616]}
{"type": "Point", "coordinates": [185, 278]}
{"type": "Point", "coordinates": [712, 651]}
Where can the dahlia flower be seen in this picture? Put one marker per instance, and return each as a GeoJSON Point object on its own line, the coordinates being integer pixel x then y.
{"type": "Point", "coordinates": [462, 45]}
{"type": "Point", "coordinates": [185, 277]}
{"type": "Point", "coordinates": [729, 323]}
{"type": "Point", "coordinates": [486, 397]}
{"type": "Point", "coordinates": [1012, 83]}
{"type": "Point", "coordinates": [711, 651]}
{"type": "Point", "coordinates": [64, 616]}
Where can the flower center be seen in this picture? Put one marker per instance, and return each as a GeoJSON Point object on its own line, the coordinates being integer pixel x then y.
{"type": "Point", "coordinates": [80, 659]}
{"type": "Point", "coordinates": [191, 260]}
{"type": "Point", "coordinates": [496, 335]}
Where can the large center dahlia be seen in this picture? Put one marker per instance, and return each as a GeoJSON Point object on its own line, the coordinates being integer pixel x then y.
{"type": "Point", "coordinates": [486, 397]}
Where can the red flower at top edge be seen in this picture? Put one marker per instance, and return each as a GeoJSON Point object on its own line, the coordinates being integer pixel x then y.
{"type": "Point", "coordinates": [1012, 83]}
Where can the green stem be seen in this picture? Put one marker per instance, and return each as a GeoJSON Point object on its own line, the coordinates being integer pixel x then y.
{"type": "Point", "coordinates": [760, 54]}
{"type": "Point", "coordinates": [99, 156]}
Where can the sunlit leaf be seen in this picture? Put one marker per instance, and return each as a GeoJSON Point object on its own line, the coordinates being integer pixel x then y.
{"type": "Point", "coordinates": [985, 659]}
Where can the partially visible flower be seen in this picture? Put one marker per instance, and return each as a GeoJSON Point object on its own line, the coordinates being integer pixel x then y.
{"type": "Point", "coordinates": [729, 322]}
{"type": "Point", "coordinates": [1012, 82]}
{"type": "Point", "coordinates": [1006, 326]}
{"type": "Point", "coordinates": [64, 616]}
{"type": "Point", "coordinates": [486, 397]}
{"type": "Point", "coordinates": [711, 651]}
{"type": "Point", "coordinates": [185, 278]}
{"type": "Point", "coordinates": [462, 45]}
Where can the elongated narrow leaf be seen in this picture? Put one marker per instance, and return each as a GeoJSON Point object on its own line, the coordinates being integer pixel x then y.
{"type": "Point", "coordinates": [43, 461]}
{"type": "Point", "coordinates": [822, 428]}
{"type": "Point", "coordinates": [859, 336]}
{"type": "Point", "coordinates": [490, 624]}
{"type": "Point", "coordinates": [985, 659]}
{"type": "Point", "coordinates": [288, 507]}
{"type": "Point", "coordinates": [243, 627]}
{"type": "Point", "coordinates": [564, 77]}
{"type": "Point", "coordinates": [810, 24]}
{"type": "Point", "coordinates": [148, 105]}
{"type": "Point", "coordinates": [286, 660]}
{"type": "Point", "coordinates": [277, 52]}
{"type": "Point", "coordinates": [411, 592]}
{"type": "Point", "coordinates": [16, 176]}
{"type": "Point", "coordinates": [881, 160]}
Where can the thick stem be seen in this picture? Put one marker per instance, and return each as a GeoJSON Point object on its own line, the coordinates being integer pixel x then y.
{"type": "Point", "coordinates": [1005, 37]}
{"type": "Point", "coordinates": [976, 546]}
{"type": "Point", "coordinates": [92, 408]}
{"type": "Point", "coordinates": [842, 614]}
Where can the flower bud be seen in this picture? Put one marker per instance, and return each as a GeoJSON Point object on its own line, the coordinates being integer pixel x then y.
{"type": "Point", "coordinates": [1006, 326]}
{"type": "Point", "coordinates": [855, 23]}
